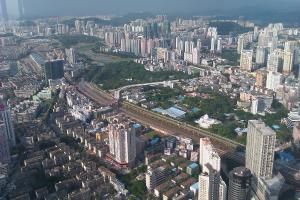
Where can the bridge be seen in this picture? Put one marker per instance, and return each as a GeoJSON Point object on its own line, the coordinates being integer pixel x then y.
{"type": "Point", "coordinates": [164, 83]}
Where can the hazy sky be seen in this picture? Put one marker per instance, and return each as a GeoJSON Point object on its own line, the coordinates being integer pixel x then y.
{"type": "Point", "coordinates": [91, 7]}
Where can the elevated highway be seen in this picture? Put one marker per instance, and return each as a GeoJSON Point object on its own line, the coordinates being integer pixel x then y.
{"type": "Point", "coordinates": [164, 83]}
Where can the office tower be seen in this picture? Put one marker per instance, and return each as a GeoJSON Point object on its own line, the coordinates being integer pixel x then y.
{"type": "Point", "coordinates": [287, 63]}
{"type": "Point", "coordinates": [240, 44]}
{"type": "Point", "coordinates": [165, 28]}
{"type": "Point", "coordinates": [71, 55]}
{"type": "Point", "coordinates": [246, 60]}
{"type": "Point", "coordinates": [154, 27]}
{"type": "Point", "coordinates": [260, 149]}
{"type": "Point", "coordinates": [209, 185]}
{"type": "Point", "coordinates": [122, 143]}
{"type": "Point", "coordinates": [260, 55]}
{"type": "Point", "coordinates": [274, 79]}
{"type": "Point", "coordinates": [54, 69]}
{"type": "Point", "coordinates": [3, 10]}
{"type": "Point", "coordinates": [4, 146]}
{"type": "Point", "coordinates": [261, 78]}
{"type": "Point", "coordinates": [212, 44]}
{"type": "Point", "coordinates": [219, 45]}
{"type": "Point", "coordinates": [148, 32]}
{"type": "Point", "coordinates": [6, 119]}
{"type": "Point", "coordinates": [239, 184]}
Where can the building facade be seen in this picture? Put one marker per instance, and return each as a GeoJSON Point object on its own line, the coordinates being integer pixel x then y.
{"type": "Point", "coordinates": [122, 143]}
{"type": "Point", "coordinates": [239, 184]}
{"type": "Point", "coordinates": [260, 149]}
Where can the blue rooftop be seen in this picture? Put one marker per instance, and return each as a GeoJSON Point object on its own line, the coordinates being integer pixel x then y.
{"type": "Point", "coordinates": [172, 112]}
{"type": "Point", "coordinates": [136, 126]}
{"type": "Point", "coordinates": [180, 98]}
{"type": "Point", "coordinates": [193, 165]}
{"type": "Point", "coordinates": [175, 112]}
{"type": "Point", "coordinates": [286, 156]}
{"type": "Point", "coordinates": [275, 127]}
{"type": "Point", "coordinates": [154, 141]}
{"type": "Point", "coordinates": [195, 186]}
{"type": "Point", "coordinates": [194, 110]}
{"type": "Point", "coordinates": [159, 110]}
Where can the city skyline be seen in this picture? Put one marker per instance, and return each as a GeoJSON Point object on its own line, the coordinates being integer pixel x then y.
{"type": "Point", "coordinates": [43, 8]}
{"type": "Point", "coordinates": [149, 105]}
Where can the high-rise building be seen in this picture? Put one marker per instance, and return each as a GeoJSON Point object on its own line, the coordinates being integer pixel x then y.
{"type": "Point", "coordinates": [71, 55]}
{"type": "Point", "coordinates": [261, 78]}
{"type": "Point", "coordinates": [290, 46]}
{"type": "Point", "coordinates": [260, 55]}
{"type": "Point", "coordinates": [219, 45]}
{"type": "Point", "coordinates": [258, 106]}
{"type": "Point", "coordinates": [209, 185]}
{"type": "Point", "coordinates": [296, 135]}
{"type": "Point", "coordinates": [3, 10]}
{"type": "Point", "coordinates": [143, 47]}
{"type": "Point", "coordinates": [199, 44]}
{"type": "Point", "coordinates": [54, 69]}
{"type": "Point", "coordinates": [196, 56]}
{"type": "Point", "coordinates": [274, 79]}
{"type": "Point", "coordinates": [212, 44]}
{"type": "Point", "coordinates": [210, 179]}
{"type": "Point", "coordinates": [222, 190]}
{"type": "Point", "coordinates": [255, 33]}
{"type": "Point", "coordinates": [240, 44]}
{"type": "Point", "coordinates": [287, 63]}
{"type": "Point", "coordinates": [275, 60]}
{"type": "Point", "coordinates": [239, 184]}
{"type": "Point", "coordinates": [260, 149]}
{"type": "Point", "coordinates": [5, 117]}
{"type": "Point", "coordinates": [4, 146]}
{"type": "Point", "coordinates": [204, 182]}
{"type": "Point", "coordinates": [246, 60]}
{"type": "Point", "coordinates": [208, 155]}
{"type": "Point", "coordinates": [122, 143]}
{"type": "Point", "coordinates": [15, 9]}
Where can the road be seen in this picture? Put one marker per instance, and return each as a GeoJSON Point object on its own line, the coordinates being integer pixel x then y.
{"type": "Point", "coordinates": [89, 90]}
{"type": "Point", "coordinates": [224, 147]}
